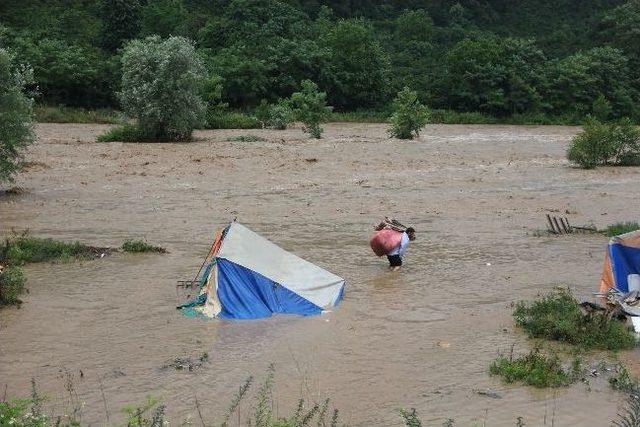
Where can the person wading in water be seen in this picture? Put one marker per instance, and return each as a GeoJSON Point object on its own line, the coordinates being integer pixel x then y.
{"type": "Point", "coordinates": [392, 239]}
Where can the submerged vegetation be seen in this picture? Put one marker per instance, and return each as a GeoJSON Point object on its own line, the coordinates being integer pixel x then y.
{"type": "Point", "coordinates": [536, 369]}
{"type": "Point", "coordinates": [557, 316]}
{"type": "Point", "coordinates": [11, 285]}
{"type": "Point", "coordinates": [23, 248]}
{"type": "Point", "coordinates": [140, 246]}
{"type": "Point", "coordinates": [621, 228]}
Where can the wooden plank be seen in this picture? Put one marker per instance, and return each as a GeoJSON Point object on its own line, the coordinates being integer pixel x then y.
{"type": "Point", "coordinates": [555, 221]}
{"type": "Point", "coordinates": [551, 229]}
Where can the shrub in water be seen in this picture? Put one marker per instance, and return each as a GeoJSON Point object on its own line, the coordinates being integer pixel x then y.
{"type": "Point", "coordinates": [11, 286]}
{"type": "Point", "coordinates": [162, 84]}
{"type": "Point", "coordinates": [534, 369]}
{"type": "Point", "coordinates": [16, 115]}
{"type": "Point", "coordinates": [606, 143]}
{"type": "Point", "coordinates": [310, 107]}
{"type": "Point", "coordinates": [409, 115]}
{"type": "Point", "coordinates": [558, 317]}
{"type": "Point", "coordinates": [622, 228]}
{"type": "Point", "coordinates": [280, 115]}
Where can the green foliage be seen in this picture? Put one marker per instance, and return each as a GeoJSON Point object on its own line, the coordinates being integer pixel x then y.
{"type": "Point", "coordinates": [535, 369]}
{"type": "Point", "coordinates": [21, 413]}
{"type": "Point", "coordinates": [622, 380]}
{"type": "Point", "coordinates": [11, 286]}
{"type": "Point", "coordinates": [621, 228]}
{"type": "Point", "coordinates": [162, 84]}
{"type": "Point", "coordinates": [359, 116]}
{"type": "Point", "coordinates": [409, 115]}
{"type": "Point", "coordinates": [233, 120]}
{"type": "Point", "coordinates": [557, 316]}
{"type": "Point", "coordinates": [310, 107]}
{"type": "Point", "coordinates": [630, 416]}
{"type": "Point", "coordinates": [120, 22]}
{"type": "Point", "coordinates": [62, 114]}
{"type": "Point", "coordinates": [410, 418]}
{"type": "Point", "coordinates": [163, 18]}
{"type": "Point", "coordinates": [539, 62]}
{"type": "Point", "coordinates": [616, 143]}
{"type": "Point", "coordinates": [140, 246]}
{"type": "Point", "coordinates": [601, 108]}
{"type": "Point", "coordinates": [280, 115]}
{"type": "Point", "coordinates": [149, 414]}
{"type": "Point", "coordinates": [16, 115]}
{"type": "Point", "coordinates": [493, 75]}
{"type": "Point", "coordinates": [576, 81]}
{"type": "Point", "coordinates": [356, 71]}
{"type": "Point", "coordinates": [124, 133]}
{"type": "Point", "coordinates": [22, 248]}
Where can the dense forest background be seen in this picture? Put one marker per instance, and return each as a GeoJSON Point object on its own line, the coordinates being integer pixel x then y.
{"type": "Point", "coordinates": [554, 57]}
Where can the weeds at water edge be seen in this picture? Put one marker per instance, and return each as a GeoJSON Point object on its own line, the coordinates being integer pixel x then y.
{"type": "Point", "coordinates": [557, 316]}
{"type": "Point", "coordinates": [535, 369]}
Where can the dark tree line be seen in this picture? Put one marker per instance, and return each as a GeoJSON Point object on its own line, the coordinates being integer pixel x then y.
{"type": "Point", "coordinates": [493, 56]}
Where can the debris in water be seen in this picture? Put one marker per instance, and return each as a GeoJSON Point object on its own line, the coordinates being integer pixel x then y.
{"type": "Point", "coordinates": [187, 363]}
{"type": "Point", "coordinates": [489, 393]}
{"type": "Point", "coordinates": [444, 344]}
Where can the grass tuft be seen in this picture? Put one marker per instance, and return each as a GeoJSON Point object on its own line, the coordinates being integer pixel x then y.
{"type": "Point", "coordinates": [11, 285]}
{"type": "Point", "coordinates": [557, 316]}
{"type": "Point", "coordinates": [621, 228]}
{"type": "Point", "coordinates": [140, 246]}
{"type": "Point", "coordinates": [535, 369]}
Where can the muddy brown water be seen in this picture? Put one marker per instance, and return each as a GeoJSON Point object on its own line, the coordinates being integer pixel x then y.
{"type": "Point", "coordinates": [423, 337]}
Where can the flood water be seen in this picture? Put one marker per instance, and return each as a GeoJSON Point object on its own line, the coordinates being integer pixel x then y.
{"type": "Point", "coordinates": [423, 337]}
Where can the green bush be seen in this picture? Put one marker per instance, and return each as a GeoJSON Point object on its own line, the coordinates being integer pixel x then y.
{"type": "Point", "coordinates": [621, 228]}
{"type": "Point", "coordinates": [557, 316]}
{"type": "Point", "coordinates": [16, 115]}
{"type": "Point", "coordinates": [21, 413]}
{"type": "Point", "coordinates": [233, 120]}
{"type": "Point", "coordinates": [11, 286]}
{"type": "Point", "coordinates": [162, 86]}
{"type": "Point", "coordinates": [310, 107]}
{"type": "Point", "coordinates": [606, 143]}
{"type": "Point", "coordinates": [535, 369]}
{"type": "Point", "coordinates": [409, 115]}
{"type": "Point", "coordinates": [125, 133]}
{"type": "Point", "coordinates": [280, 115]}
{"type": "Point", "coordinates": [622, 380]}
{"type": "Point", "coordinates": [140, 246]}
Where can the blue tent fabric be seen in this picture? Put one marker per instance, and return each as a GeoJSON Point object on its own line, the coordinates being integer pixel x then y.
{"type": "Point", "coordinates": [245, 294]}
{"type": "Point", "coordinates": [625, 260]}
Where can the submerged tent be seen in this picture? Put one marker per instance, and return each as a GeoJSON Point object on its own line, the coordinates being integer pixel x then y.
{"type": "Point", "coordinates": [245, 276]}
{"type": "Point", "coordinates": [622, 264]}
